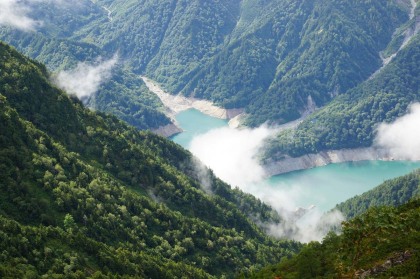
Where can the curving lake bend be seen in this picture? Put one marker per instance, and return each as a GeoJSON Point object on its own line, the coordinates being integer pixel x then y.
{"type": "Point", "coordinates": [324, 186]}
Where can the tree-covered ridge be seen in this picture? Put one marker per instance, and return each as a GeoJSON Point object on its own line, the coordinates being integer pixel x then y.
{"type": "Point", "coordinates": [393, 192]}
{"type": "Point", "coordinates": [300, 49]}
{"type": "Point", "coordinates": [124, 95]}
{"type": "Point", "coordinates": [105, 197]}
{"type": "Point", "coordinates": [381, 243]}
{"type": "Point", "coordinates": [350, 120]}
{"type": "Point", "coordinates": [266, 56]}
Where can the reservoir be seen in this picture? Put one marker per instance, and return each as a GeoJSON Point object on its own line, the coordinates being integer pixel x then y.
{"type": "Point", "coordinates": [193, 123]}
{"type": "Point", "coordinates": [324, 186]}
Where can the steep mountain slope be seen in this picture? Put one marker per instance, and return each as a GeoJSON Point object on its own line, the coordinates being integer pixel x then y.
{"type": "Point", "coordinates": [297, 50]}
{"type": "Point", "coordinates": [83, 192]}
{"type": "Point", "coordinates": [123, 94]}
{"type": "Point", "coordinates": [393, 192]}
{"type": "Point", "coordinates": [381, 243]}
{"type": "Point", "coordinates": [379, 240]}
{"type": "Point", "coordinates": [269, 57]}
{"type": "Point", "coordinates": [351, 119]}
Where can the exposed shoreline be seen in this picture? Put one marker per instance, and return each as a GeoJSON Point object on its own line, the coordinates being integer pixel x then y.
{"type": "Point", "coordinates": [323, 158]}
{"type": "Point", "coordinates": [177, 103]}
{"type": "Point", "coordinates": [167, 130]}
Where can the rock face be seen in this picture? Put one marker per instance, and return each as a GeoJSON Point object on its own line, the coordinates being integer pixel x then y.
{"type": "Point", "coordinates": [396, 259]}
{"type": "Point", "coordinates": [177, 103]}
{"type": "Point", "coordinates": [323, 158]}
{"type": "Point", "coordinates": [167, 130]}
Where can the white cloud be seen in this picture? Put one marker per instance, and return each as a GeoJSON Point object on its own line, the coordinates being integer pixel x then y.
{"type": "Point", "coordinates": [14, 13]}
{"type": "Point", "coordinates": [232, 155]}
{"type": "Point", "coordinates": [402, 137]}
{"type": "Point", "coordinates": [85, 79]}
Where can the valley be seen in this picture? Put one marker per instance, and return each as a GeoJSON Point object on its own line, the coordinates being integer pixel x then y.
{"type": "Point", "coordinates": [350, 173]}
{"type": "Point", "coordinates": [209, 139]}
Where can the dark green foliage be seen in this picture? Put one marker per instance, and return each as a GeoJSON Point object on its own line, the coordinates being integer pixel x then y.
{"type": "Point", "coordinates": [107, 198]}
{"type": "Point", "coordinates": [127, 97]}
{"type": "Point", "coordinates": [265, 56]}
{"type": "Point", "coordinates": [391, 193]}
{"type": "Point", "coordinates": [31, 251]}
{"type": "Point", "coordinates": [123, 95]}
{"type": "Point", "coordinates": [383, 241]}
{"type": "Point", "coordinates": [350, 120]}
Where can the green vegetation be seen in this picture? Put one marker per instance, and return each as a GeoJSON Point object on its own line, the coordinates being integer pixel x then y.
{"type": "Point", "coordinates": [383, 242]}
{"type": "Point", "coordinates": [84, 194]}
{"type": "Point", "coordinates": [128, 98]}
{"type": "Point", "coordinates": [350, 120]}
{"type": "Point", "coordinates": [268, 57]}
{"type": "Point", "coordinates": [124, 95]}
{"type": "Point", "coordinates": [393, 192]}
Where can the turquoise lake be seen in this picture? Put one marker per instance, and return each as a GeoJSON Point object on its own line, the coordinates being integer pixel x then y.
{"type": "Point", "coordinates": [324, 186]}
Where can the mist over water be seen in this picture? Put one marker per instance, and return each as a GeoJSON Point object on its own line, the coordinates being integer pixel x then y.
{"type": "Point", "coordinates": [303, 197]}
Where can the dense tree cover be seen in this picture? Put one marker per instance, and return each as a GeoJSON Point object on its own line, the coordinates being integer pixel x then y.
{"type": "Point", "coordinates": [62, 252]}
{"type": "Point", "coordinates": [392, 192]}
{"type": "Point", "coordinates": [123, 95]}
{"type": "Point", "coordinates": [265, 56]}
{"type": "Point", "coordinates": [350, 120]}
{"type": "Point", "coordinates": [295, 50]}
{"type": "Point", "coordinates": [128, 98]}
{"type": "Point", "coordinates": [84, 194]}
{"type": "Point", "coordinates": [383, 242]}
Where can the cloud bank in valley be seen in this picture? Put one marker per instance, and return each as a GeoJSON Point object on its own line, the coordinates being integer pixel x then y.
{"type": "Point", "coordinates": [232, 154]}
{"type": "Point", "coordinates": [84, 80]}
{"type": "Point", "coordinates": [15, 14]}
{"type": "Point", "coordinates": [401, 137]}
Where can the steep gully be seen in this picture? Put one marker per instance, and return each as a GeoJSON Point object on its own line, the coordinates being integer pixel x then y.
{"type": "Point", "coordinates": [177, 103]}
{"type": "Point", "coordinates": [412, 30]}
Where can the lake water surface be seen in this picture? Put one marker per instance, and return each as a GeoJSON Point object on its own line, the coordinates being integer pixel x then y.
{"type": "Point", "coordinates": [324, 186]}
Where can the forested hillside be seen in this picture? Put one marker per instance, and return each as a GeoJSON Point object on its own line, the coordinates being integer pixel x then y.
{"type": "Point", "coordinates": [381, 243]}
{"type": "Point", "coordinates": [124, 94]}
{"type": "Point", "coordinates": [350, 120]}
{"type": "Point", "coordinates": [272, 58]}
{"type": "Point", "coordinates": [393, 192]}
{"type": "Point", "coordinates": [89, 193]}
{"type": "Point", "coordinates": [380, 238]}
{"type": "Point", "coordinates": [266, 56]}
{"type": "Point", "coordinates": [84, 194]}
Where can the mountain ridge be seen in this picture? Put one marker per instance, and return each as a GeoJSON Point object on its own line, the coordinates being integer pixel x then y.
{"type": "Point", "coordinates": [135, 198]}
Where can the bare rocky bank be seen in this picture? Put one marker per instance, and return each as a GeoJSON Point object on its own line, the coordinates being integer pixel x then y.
{"type": "Point", "coordinates": [177, 103]}
{"type": "Point", "coordinates": [323, 158]}
{"type": "Point", "coordinates": [167, 130]}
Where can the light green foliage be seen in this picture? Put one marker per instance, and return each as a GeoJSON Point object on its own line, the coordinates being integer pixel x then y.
{"type": "Point", "coordinates": [383, 241]}
{"type": "Point", "coordinates": [350, 120]}
{"type": "Point", "coordinates": [391, 193]}
{"type": "Point", "coordinates": [69, 224]}
{"type": "Point", "coordinates": [265, 56]}
{"type": "Point", "coordinates": [130, 202]}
